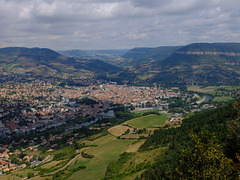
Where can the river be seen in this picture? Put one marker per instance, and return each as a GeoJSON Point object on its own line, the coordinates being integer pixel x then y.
{"type": "Point", "coordinates": [207, 98]}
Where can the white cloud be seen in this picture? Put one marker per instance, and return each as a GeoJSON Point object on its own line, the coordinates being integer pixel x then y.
{"type": "Point", "coordinates": [137, 36]}
{"type": "Point", "coordinates": [94, 24]}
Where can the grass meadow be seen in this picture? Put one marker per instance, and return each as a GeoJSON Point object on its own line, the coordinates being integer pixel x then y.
{"type": "Point", "coordinates": [148, 121]}
{"type": "Point", "coordinates": [219, 99]}
{"type": "Point", "coordinates": [109, 148]}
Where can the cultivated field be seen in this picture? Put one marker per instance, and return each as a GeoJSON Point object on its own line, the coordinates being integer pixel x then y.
{"type": "Point", "coordinates": [223, 99]}
{"type": "Point", "coordinates": [210, 89]}
{"type": "Point", "coordinates": [148, 121]}
{"type": "Point", "coordinates": [109, 148]}
{"type": "Point", "coordinates": [119, 130]}
{"type": "Point", "coordinates": [135, 146]}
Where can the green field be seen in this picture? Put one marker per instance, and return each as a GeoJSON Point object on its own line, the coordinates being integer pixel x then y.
{"type": "Point", "coordinates": [148, 121]}
{"type": "Point", "coordinates": [208, 90]}
{"type": "Point", "coordinates": [109, 148]}
{"type": "Point", "coordinates": [211, 89]}
{"type": "Point", "coordinates": [223, 99]}
{"type": "Point", "coordinates": [126, 170]}
{"type": "Point", "coordinates": [141, 111]}
{"type": "Point", "coordinates": [16, 174]}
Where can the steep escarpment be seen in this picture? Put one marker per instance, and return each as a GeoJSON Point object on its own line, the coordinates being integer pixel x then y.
{"type": "Point", "coordinates": [198, 63]}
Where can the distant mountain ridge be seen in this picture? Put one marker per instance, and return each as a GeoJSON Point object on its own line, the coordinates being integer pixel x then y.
{"type": "Point", "coordinates": [104, 55]}
{"type": "Point", "coordinates": [137, 52]}
{"type": "Point", "coordinates": [197, 63]}
{"type": "Point", "coordinates": [206, 53]}
{"type": "Point", "coordinates": [223, 47]}
{"type": "Point", "coordinates": [141, 55]}
{"type": "Point", "coordinates": [209, 53]}
{"type": "Point", "coordinates": [47, 61]}
{"type": "Point", "coordinates": [74, 53]}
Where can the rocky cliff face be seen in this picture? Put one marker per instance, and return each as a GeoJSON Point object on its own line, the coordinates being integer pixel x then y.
{"type": "Point", "coordinates": [200, 63]}
{"type": "Point", "coordinates": [234, 54]}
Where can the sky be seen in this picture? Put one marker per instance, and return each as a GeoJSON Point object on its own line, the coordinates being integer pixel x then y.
{"type": "Point", "coordinates": [117, 24]}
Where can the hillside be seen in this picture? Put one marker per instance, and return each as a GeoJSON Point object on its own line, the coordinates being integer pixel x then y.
{"type": "Point", "coordinates": [74, 53]}
{"type": "Point", "coordinates": [145, 55]}
{"type": "Point", "coordinates": [206, 53]}
{"type": "Point", "coordinates": [168, 144]}
{"type": "Point", "coordinates": [108, 56]}
{"type": "Point", "coordinates": [108, 53]}
{"type": "Point", "coordinates": [199, 63]}
{"type": "Point", "coordinates": [45, 61]}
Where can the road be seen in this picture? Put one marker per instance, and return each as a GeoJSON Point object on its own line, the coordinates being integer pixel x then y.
{"type": "Point", "coordinates": [65, 165]}
{"type": "Point", "coordinates": [200, 99]}
{"type": "Point", "coordinates": [36, 163]}
{"type": "Point", "coordinates": [76, 158]}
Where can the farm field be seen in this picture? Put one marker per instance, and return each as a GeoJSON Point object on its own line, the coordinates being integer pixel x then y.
{"type": "Point", "coordinates": [211, 89]}
{"type": "Point", "coordinates": [223, 99]}
{"type": "Point", "coordinates": [148, 121]}
{"type": "Point", "coordinates": [100, 141]}
{"type": "Point", "coordinates": [135, 146]}
{"type": "Point", "coordinates": [133, 160]}
{"type": "Point", "coordinates": [119, 130]}
{"type": "Point", "coordinates": [51, 164]}
{"type": "Point", "coordinates": [109, 148]}
{"type": "Point", "coordinates": [208, 90]}
{"type": "Point", "coordinates": [141, 111]}
{"type": "Point", "coordinates": [20, 172]}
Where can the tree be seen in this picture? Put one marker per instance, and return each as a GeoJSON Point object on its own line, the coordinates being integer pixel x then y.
{"type": "Point", "coordinates": [233, 142]}
{"type": "Point", "coordinates": [204, 160]}
{"type": "Point", "coordinates": [30, 175]}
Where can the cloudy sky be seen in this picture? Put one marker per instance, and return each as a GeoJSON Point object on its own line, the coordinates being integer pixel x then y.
{"type": "Point", "coordinates": [117, 24]}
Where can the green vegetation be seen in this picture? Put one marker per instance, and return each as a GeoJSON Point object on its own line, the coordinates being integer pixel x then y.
{"type": "Point", "coordinates": [63, 153]}
{"type": "Point", "coordinates": [130, 165]}
{"type": "Point", "coordinates": [223, 99]}
{"type": "Point", "coordinates": [108, 150]}
{"type": "Point", "coordinates": [51, 164]}
{"type": "Point", "coordinates": [184, 68]}
{"type": "Point", "coordinates": [144, 55]}
{"type": "Point", "coordinates": [169, 66]}
{"type": "Point", "coordinates": [204, 160]}
{"type": "Point", "coordinates": [148, 121]}
{"type": "Point", "coordinates": [44, 171]}
{"type": "Point", "coordinates": [76, 167]}
{"type": "Point", "coordinates": [220, 148]}
{"type": "Point", "coordinates": [114, 168]}
{"type": "Point", "coordinates": [218, 91]}
{"type": "Point", "coordinates": [48, 62]}
{"type": "Point", "coordinates": [64, 175]}
{"type": "Point", "coordinates": [30, 175]}
{"type": "Point", "coordinates": [220, 94]}
{"type": "Point", "coordinates": [60, 156]}
{"type": "Point", "coordinates": [105, 55]}
{"type": "Point", "coordinates": [85, 155]}
{"type": "Point", "coordinates": [180, 102]}
{"type": "Point", "coordinates": [87, 101]}
{"type": "Point", "coordinates": [147, 112]}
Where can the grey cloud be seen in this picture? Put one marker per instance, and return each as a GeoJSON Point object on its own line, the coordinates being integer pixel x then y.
{"type": "Point", "coordinates": [95, 24]}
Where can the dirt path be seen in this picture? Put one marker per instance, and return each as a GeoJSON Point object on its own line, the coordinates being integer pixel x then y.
{"type": "Point", "coordinates": [62, 168]}
{"type": "Point", "coordinates": [65, 165]}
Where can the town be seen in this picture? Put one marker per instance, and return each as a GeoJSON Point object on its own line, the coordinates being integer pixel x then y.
{"type": "Point", "coordinates": [38, 105]}
{"type": "Point", "coordinates": [35, 107]}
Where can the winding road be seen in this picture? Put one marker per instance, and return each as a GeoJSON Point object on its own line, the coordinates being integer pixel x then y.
{"type": "Point", "coordinates": [62, 168]}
